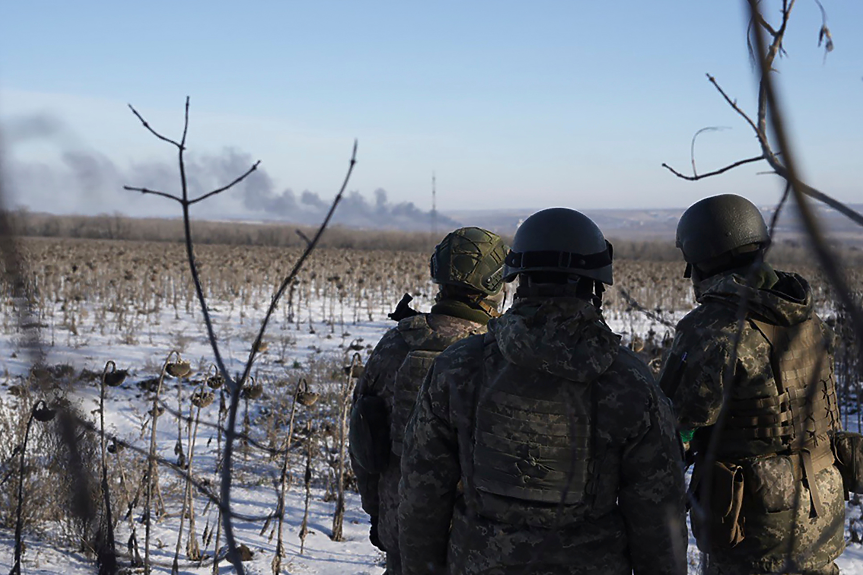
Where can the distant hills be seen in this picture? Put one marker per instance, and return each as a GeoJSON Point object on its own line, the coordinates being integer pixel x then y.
{"type": "Point", "coordinates": [658, 224]}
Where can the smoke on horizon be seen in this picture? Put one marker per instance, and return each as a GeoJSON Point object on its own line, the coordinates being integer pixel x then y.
{"type": "Point", "coordinates": [74, 179]}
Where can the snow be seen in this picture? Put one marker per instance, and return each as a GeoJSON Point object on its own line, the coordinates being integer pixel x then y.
{"type": "Point", "coordinates": [314, 337]}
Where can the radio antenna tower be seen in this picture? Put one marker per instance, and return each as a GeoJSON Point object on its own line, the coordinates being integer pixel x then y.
{"type": "Point", "coordinates": [434, 208]}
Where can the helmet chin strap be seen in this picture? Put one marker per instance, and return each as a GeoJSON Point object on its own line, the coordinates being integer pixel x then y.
{"type": "Point", "coordinates": [488, 307]}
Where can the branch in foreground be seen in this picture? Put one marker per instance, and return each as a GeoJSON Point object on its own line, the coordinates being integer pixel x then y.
{"type": "Point", "coordinates": [733, 104]}
{"type": "Point", "coordinates": [235, 391]}
{"type": "Point", "coordinates": [229, 186]}
{"type": "Point", "coordinates": [799, 191]}
{"type": "Point", "coordinates": [695, 137]}
{"type": "Point", "coordinates": [697, 177]}
{"type": "Point", "coordinates": [153, 192]}
{"type": "Point", "coordinates": [635, 304]}
{"type": "Point", "coordinates": [157, 134]}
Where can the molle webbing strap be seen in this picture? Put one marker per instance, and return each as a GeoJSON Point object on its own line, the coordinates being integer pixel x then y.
{"type": "Point", "coordinates": [811, 474]}
{"type": "Point", "coordinates": [534, 441]}
{"type": "Point", "coordinates": [799, 360]}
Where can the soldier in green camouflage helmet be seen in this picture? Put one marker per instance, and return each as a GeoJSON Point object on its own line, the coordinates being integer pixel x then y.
{"type": "Point", "coordinates": [775, 501]}
{"type": "Point", "coordinates": [543, 446]}
{"type": "Point", "coordinates": [468, 266]}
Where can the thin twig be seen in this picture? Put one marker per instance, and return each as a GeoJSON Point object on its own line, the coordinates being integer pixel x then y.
{"type": "Point", "coordinates": [235, 393]}
{"type": "Point", "coordinates": [822, 251]}
{"type": "Point", "coordinates": [695, 137]}
{"type": "Point", "coordinates": [632, 302]}
{"type": "Point", "coordinates": [733, 104]}
{"type": "Point", "coordinates": [185, 125]}
{"type": "Point", "coordinates": [229, 186]}
{"type": "Point", "coordinates": [697, 177]}
{"type": "Point", "coordinates": [154, 192]}
{"type": "Point", "coordinates": [154, 132]}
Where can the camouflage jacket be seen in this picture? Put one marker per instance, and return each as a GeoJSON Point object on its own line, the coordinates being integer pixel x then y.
{"type": "Point", "coordinates": [379, 493]}
{"type": "Point", "coordinates": [632, 518]}
{"type": "Point", "coordinates": [694, 377]}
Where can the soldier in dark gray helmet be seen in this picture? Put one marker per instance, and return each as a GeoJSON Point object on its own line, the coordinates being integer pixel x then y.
{"type": "Point", "coordinates": [544, 446]}
{"type": "Point", "coordinates": [468, 267]}
{"type": "Point", "coordinates": [775, 498]}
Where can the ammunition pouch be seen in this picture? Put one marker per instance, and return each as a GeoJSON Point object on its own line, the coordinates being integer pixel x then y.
{"type": "Point", "coordinates": [848, 449]}
{"type": "Point", "coordinates": [772, 482]}
{"type": "Point", "coordinates": [724, 522]}
{"type": "Point", "coordinates": [370, 433]}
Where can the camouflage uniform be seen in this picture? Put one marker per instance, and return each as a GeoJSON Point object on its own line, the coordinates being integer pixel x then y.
{"type": "Point", "coordinates": [769, 430]}
{"type": "Point", "coordinates": [432, 333]}
{"type": "Point", "coordinates": [543, 447]}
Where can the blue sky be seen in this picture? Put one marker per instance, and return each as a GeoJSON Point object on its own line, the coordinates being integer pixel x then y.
{"type": "Point", "coordinates": [512, 104]}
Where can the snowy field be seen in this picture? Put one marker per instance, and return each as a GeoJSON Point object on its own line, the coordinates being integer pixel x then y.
{"type": "Point", "coordinates": [318, 347]}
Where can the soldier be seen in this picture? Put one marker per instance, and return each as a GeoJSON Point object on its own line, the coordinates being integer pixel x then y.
{"type": "Point", "coordinates": [544, 446]}
{"type": "Point", "coordinates": [775, 494]}
{"type": "Point", "coordinates": [468, 266]}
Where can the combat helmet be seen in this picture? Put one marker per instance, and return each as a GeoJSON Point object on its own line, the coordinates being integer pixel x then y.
{"type": "Point", "coordinates": [560, 240]}
{"type": "Point", "coordinates": [718, 226]}
{"type": "Point", "coordinates": [470, 258]}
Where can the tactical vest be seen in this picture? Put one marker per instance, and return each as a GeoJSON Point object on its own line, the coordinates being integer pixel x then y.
{"type": "Point", "coordinates": [800, 415]}
{"type": "Point", "coordinates": [425, 343]}
{"type": "Point", "coordinates": [532, 436]}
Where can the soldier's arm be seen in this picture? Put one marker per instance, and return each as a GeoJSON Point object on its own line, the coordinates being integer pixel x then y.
{"type": "Point", "coordinates": [376, 379]}
{"type": "Point", "coordinates": [693, 375]}
{"type": "Point", "coordinates": [430, 474]}
{"type": "Point", "coordinates": [652, 493]}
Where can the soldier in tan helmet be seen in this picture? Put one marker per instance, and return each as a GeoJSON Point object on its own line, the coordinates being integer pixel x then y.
{"type": "Point", "coordinates": [468, 266]}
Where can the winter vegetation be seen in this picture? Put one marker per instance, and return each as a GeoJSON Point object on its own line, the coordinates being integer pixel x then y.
{"type": "Point", "coordinates": [125, 351]}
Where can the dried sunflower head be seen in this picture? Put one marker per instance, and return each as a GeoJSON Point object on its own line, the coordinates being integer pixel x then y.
{"type": "Point", "coordinates": [179, 368]}
{"type": "Point", "coordinates": [307, 398]}
{"type": "Point", "coordinates": [354, 371]}
{"type": "Point", "coordinates": [41, 412]}
{"type": "Point", "coordinates": [117, 377]}
{"type": "Point", "coordinates": [202, 398]}
{"type": "Point", "coordinates": [253, 391]}
{"type": "Point", "coordinates": [215, 381]}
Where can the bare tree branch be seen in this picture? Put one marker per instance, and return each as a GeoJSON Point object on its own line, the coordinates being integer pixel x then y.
{"type": "Point", "coordinates": [714, 173]}
{"type": "Point", "coordinates": [824, 33]}
{"type": "Point", "coordinates": [695, 136]}
{"type": "Point", "coordinates": [152, 131]}
{"type": "Point", "coordinates": [635, 304]}
{"type": "Point", "coordinates": [185, 125]}
{"type": "Point", "coordinates": [299, 264]}
{"type": "Point", "coordinates": [235, 391]}
{"type": "Point", "coordinates": [760, 126]}
{"type": "Point", "coordinates": [233, 386]}
{"type": "Point", "coordinates": [154, 192]}
{"type": "Point", "coordinates": [810, 222]}
{"type": "Point", "coordinates": [229, 186]}
{"type": "Point", "coordinates": [733, 104]}
{"type": "Point", "coordinates": [303, 236]}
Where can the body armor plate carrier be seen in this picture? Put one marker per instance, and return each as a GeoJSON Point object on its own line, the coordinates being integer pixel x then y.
{"type": "Point", "coordinates": [801, 417]}
{"type": "Point", "coordinates": [532, 436]}
{"type": "Point", "coordinates": [426, 343]}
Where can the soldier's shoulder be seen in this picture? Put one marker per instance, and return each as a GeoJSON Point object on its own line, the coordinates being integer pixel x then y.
{"type": "Point", "coordinates": [392, 342]}
{"type": "Point", "coordinates": [628, 389]}
{"type": "Point", "coordinates": [627, 363]}
{"type": "Point", "coordinates": [453, 326]}
{"type": "Point", "coordinates": [465, 351]}
{"type": "Point", "coordinates": [706, 318]}
{"type": "Point", "coordinates": [628, 374]}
